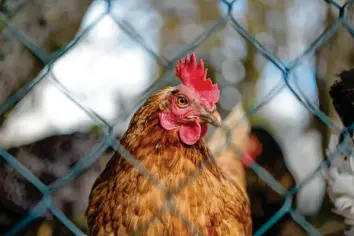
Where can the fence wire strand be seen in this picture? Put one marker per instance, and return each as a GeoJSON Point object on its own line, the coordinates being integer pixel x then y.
{"type": "Point", "coordinates": [46, 204]}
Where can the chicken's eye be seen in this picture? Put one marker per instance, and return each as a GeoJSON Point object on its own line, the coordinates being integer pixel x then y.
{"type": "Point", "coordinates": [182, 101]}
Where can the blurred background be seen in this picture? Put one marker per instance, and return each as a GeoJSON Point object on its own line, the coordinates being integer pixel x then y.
{"type": "Point", "coordinates": [110, 59]}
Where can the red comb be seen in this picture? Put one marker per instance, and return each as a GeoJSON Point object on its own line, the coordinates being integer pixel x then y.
{"type": "Point", "coordinates": [195, 76]}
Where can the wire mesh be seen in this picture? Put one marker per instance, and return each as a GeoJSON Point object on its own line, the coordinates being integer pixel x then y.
{"type": "Point", "coordinates": [109, 140]}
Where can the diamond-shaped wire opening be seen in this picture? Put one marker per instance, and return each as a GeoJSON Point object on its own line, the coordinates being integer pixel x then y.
{"type": "Point", "coordinates": [44, 27]}
{"type": "Point", "coordinates": [280, 65]}
{"type": "Point", "coordinates": [67, 150]}
{"type": "Point", "coordinates": [12, 50]}
{"type": "Point", "coordinates": [293, 17]}
{"type": "Point", "coordinates": [186, 24]}
{"type": "Point", "coordinates": [166, 78]}
{"type": "Point", "coordinates": [71, 199]}
{"type": "Point", "coordinates": [142, 60]}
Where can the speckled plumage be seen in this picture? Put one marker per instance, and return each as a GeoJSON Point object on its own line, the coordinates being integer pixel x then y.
{"type": "Point", "coordinates": [122, 200]}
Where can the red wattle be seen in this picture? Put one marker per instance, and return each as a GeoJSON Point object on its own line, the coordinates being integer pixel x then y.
{"type": "Point", "coordinates": [190, 133]}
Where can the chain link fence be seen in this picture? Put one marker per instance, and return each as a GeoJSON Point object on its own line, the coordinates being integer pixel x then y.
{"type": "Point", "coordinates": [109, 140]}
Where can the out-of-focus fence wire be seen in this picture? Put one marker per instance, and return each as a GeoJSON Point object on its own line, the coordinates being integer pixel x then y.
{"type": "Point", "coordinates": [109, 140]}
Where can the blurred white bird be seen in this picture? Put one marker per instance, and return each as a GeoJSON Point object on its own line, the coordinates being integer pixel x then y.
{"type": "Point", "coordinates": [303, 156]}
{"type": "Point", "coordinates": [340, 181]}
{"type": "Point", "coordinates": [105, 69]}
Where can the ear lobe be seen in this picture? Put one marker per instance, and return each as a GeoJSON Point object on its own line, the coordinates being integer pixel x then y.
{"type": "Point", "coordinates": [167, 121]}
{"type": "Point", "coordinates": [190, 134]}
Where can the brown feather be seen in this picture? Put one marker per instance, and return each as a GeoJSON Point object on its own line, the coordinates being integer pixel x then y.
{"type": "Point", "coordinates": [122, 200]}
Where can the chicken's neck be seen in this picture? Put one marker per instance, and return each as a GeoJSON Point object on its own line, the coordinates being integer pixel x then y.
{"type": "Point", "coordinates": [152, 141]}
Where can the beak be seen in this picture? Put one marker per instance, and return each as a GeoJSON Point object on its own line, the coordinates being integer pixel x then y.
{"type": "Point", "coordinates": [212, 118]}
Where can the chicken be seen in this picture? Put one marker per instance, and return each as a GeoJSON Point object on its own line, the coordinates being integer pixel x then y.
{"type": "Point", "coordinates": [166, 136]}
{"type": "Point", "coordinates": [340, 180]}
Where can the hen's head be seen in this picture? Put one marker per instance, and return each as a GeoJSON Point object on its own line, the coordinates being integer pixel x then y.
{"type": "Point", "coordinates": [192, 103]}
